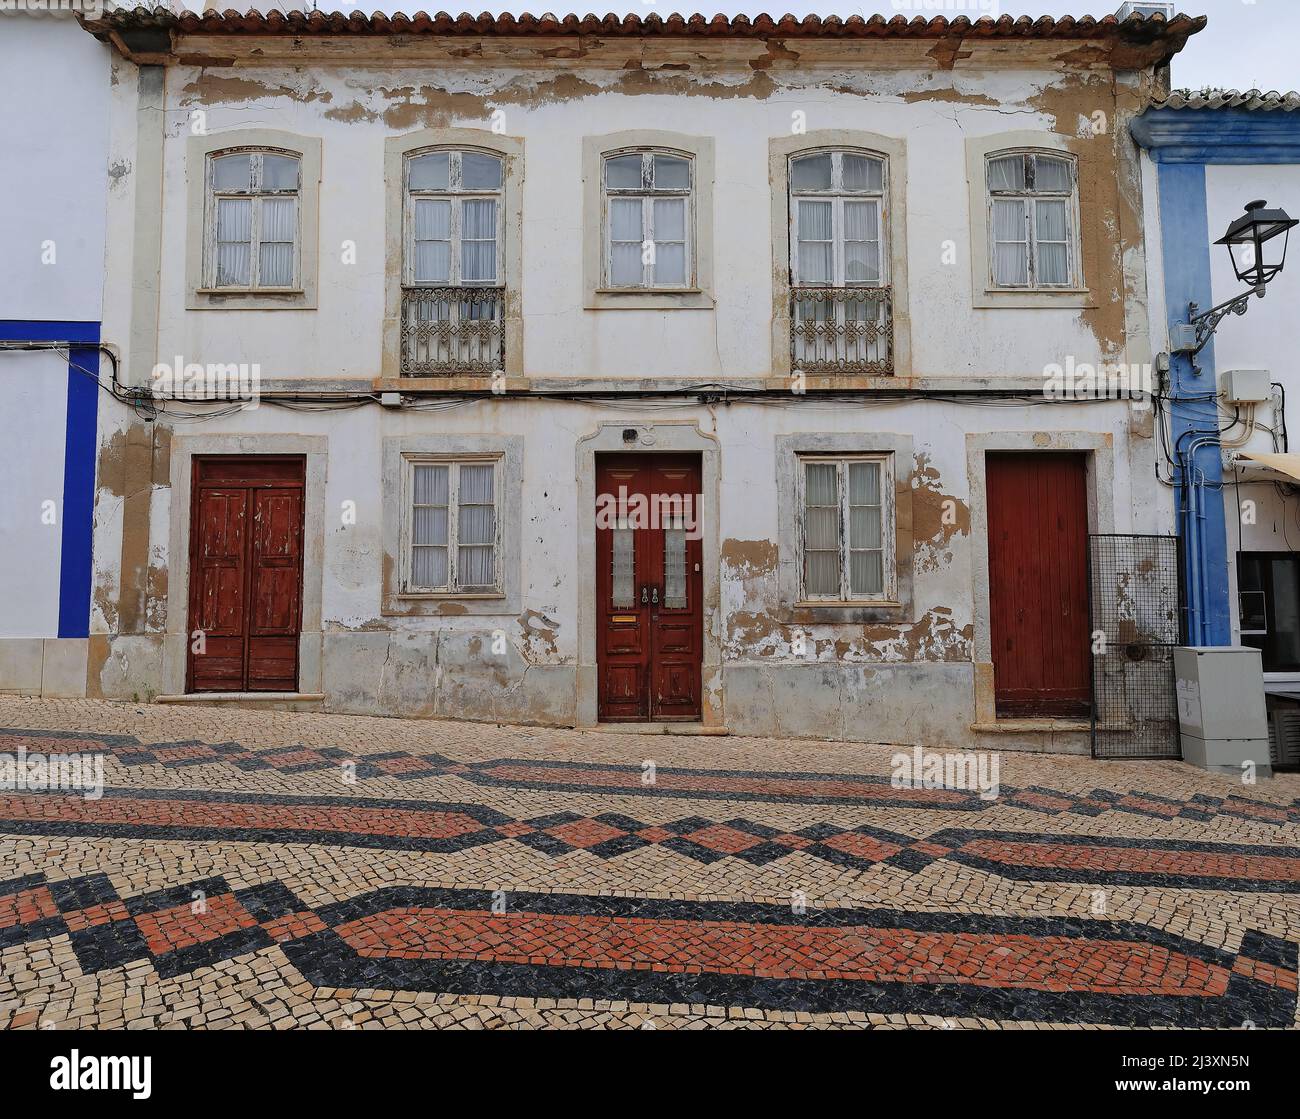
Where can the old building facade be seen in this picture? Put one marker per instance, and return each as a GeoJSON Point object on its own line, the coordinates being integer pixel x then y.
{"type": "Point", "coordinates": [826, 295]}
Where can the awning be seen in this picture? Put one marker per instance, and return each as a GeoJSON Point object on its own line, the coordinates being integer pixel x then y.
{"type": "Point", "coordinates": [1283, 464]}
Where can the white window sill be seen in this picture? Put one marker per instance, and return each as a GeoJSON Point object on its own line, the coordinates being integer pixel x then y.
{"type": "Point", "coordinates": [1035, 297]}
{"type": "Point", "coordinates": [654, 299]}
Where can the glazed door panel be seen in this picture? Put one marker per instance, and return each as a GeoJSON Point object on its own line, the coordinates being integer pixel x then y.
{"type": "Point", "coordinates": [245, 574]}
{"type": "Point", "coordinates": [648, 584]}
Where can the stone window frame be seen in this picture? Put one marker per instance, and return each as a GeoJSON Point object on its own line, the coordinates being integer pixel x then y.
{"type": "Point", "coordinates": [791, 450]}
{"type": "Point", "coordinates": [510, 230]}
{"type": "Point", "coordinates": [198, 156]}
{"type": "Point", "coordinates": [508, 452]}
{"type": "Point", "coordinates": [781, 149]}
{"type": "Point", "coordinates": [700, 150]}
{"type": "Point", "coordinates": [978, 151]}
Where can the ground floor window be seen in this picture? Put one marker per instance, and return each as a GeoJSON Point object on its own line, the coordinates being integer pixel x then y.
{"type": "Point", "coordinates": [1268, 595]}
{"type": "Point", "coordinates": [846, 527]}
{"type": "Point", "coordinates": [451, 533]}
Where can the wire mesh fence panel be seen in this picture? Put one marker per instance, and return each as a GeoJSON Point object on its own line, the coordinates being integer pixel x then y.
{"type": "Point", "coordinates": [1136, 608]}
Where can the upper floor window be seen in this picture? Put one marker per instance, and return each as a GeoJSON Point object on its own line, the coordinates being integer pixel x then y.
{"type": "Point", "coordinates": [253, 220]}
{"type": "Point", "coordinates": [837, 205]}
{"type": "Point", "coordinates": [453, 219]}
{"type": "Point", "coordinates": [1033, 220]}
{"type": "Point", "coordinates": [648, 200]}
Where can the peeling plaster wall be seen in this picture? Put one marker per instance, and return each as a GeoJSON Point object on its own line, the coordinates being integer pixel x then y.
{"type": "Point", "coordinates": [876, 681]}
{"type": "Point", "coordinates": [353, 109]}
{"type": "Point", "coordinates": [909, 679]}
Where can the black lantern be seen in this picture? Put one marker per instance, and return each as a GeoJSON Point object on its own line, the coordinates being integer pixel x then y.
{"type": "Point", "coordinates": [1257, 241]}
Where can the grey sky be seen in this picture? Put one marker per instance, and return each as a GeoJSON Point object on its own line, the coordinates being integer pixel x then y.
{"type": "Point", "coordinates": [1248, 43]}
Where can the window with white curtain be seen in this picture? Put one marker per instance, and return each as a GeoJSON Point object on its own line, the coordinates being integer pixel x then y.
{"type": "Point", "coordinates": [837, 205]}
{"type": "Point", "coordinates": [453, 539]}
{"type": "Point", "coordinates": [846, 528]}
{"type": "Point", "coordinates": [253, 220]}
{"type": "Point", "coordinates": [452, 220]}
{"type": "Point", "coordinates": [648, 199]}
{"type": "Point", "coordinates": [1033, 220]}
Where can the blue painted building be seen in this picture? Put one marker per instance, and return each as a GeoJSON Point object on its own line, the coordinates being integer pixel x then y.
{"type": "Point", "coordinates": [1235, 480]}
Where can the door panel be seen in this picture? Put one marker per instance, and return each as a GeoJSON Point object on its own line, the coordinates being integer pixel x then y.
{"type": "Point", "coordinates": [648, 586]}
{"type": "Point", "coordinates": [246, 573]}
{"type": "Point", "coordinates": [1038, 583]}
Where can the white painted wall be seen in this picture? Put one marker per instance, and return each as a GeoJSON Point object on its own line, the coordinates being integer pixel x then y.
{"type": "Point", "coordinates": [949, 337]}
{"type": "Point", "coordinates": [33, 404]}
{"type": "Point", "coordinates": [54, 86]}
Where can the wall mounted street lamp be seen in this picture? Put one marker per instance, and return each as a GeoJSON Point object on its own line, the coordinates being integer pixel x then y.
{"type": "Point", "coordinates": [1257, 243]}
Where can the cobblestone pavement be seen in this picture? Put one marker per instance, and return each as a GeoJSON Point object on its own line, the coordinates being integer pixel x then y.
{"type": "Point", "coordinates": [274, 869]}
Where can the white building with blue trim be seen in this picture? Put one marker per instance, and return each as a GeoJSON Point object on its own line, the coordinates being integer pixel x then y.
{"type": "Point", "coordinates": [1228, 458]}
{"type": "Point", "coordinates": [55, 179]}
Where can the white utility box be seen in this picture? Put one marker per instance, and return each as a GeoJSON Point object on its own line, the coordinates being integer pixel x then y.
{"type": "Point", "coordinates": [1246, 386]}
{"type": "Point", "coordinates": [1221, 712]}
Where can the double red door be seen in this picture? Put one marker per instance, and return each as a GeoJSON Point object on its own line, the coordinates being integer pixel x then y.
{"type": "Point", "coordinates": [1038, 583]}
{"type": "Point", "coordinates": [245, 574]}
{"type": "Point", "coordinates": [648, 583]}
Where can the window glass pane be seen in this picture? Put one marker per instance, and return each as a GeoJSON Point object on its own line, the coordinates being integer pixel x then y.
{"type": "Point", "coordinates": [1284, 628]}
{"type": "Point", "coordinates": [279, 219]}
{"type": "Point", "coordinates": [821, 573]}
{"type": "Point", "coordinates": [279, 172]}
{"type": "Point", "coordinates": [429, 172]}
{"type": "Point", "coordinates": [862, 173]}
{"type": "Point", "coordinates": [1010, 252]}
{"type": "Point", "coordinates": [670, 264]}
{"type": "Point", "coordinates": [479, 171]}
{"type": "Point", "coordinates": [431, 484]}
{"type": "Point", "coordinates": [429, 525]}
{"type": "Point", "coordinates": [432, 263]}
{"type": "Point", "coordinates": [478, 240]}
{"type": "Point", "coordinates": [1007, 173]}
{"type": "Point", "coordinates": [1051, 219]}
{"type": "Point", "coordinates": [428, 568]}
{"type": "Point", "coordinates": [866, 573]}
{"type": "Point", "coordinates": [1051, 174]}
{"type": "Point", "coordinates": [232, 172]}
{"type": "Point", "coordinates": [476, 567]}
{"type": "Point", "coordinates": [623, 593]}
{"type": "Point", "coordinates": [861, 242]}
{"type": "Point", "coordinates": [814, 221]}
{"type": "Point", "coordinates": [671, 173]}
{"type": "Point", "coordinates": [275, 264]}
{"type": "Point", "coordinates": [234, 231]}
{"type": "Point", "coordinates": [625, 219]}
{"type": "Point", "coordinates": [623, 172]}
{"type": "Point", "coordinates": [625, 264]}
{"type": "Point", "coordinates": [670, 219]}
{"type": "Point", "coordinates": [811, 172]}
{"type": "Point", "coordinates": [1053, 251]}
{"type": "Point", "coordinates": [864, 483]}
{"type": "Point", "coordinates": [815, 252]}
{"type": "Point", "coordinates": [432, 219]}
{"type": "Point", "coordinates": [675, 569]}
{"type": "Point", "coordinates": [476, 487]}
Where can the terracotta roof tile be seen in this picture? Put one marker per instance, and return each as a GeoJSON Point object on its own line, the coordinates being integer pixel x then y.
{"type": "Point", "coordinates": [1252, 100]}
{"type": "Point", "coordinates": [1135, 28]}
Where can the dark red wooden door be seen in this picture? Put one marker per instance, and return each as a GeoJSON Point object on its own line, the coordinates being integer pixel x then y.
{"type": "Point", "coordinates": [245, 574]}
{"type": "Point", "coordinates": [1038, 583]}
{"type": "Point", "coordinates": [648, 583]}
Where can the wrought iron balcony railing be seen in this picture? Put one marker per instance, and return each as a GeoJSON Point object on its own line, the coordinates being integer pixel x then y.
{"type": "Point", "coordinates": [450, 331]}
{"type": "Point", "coordinates": [842, 330]}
